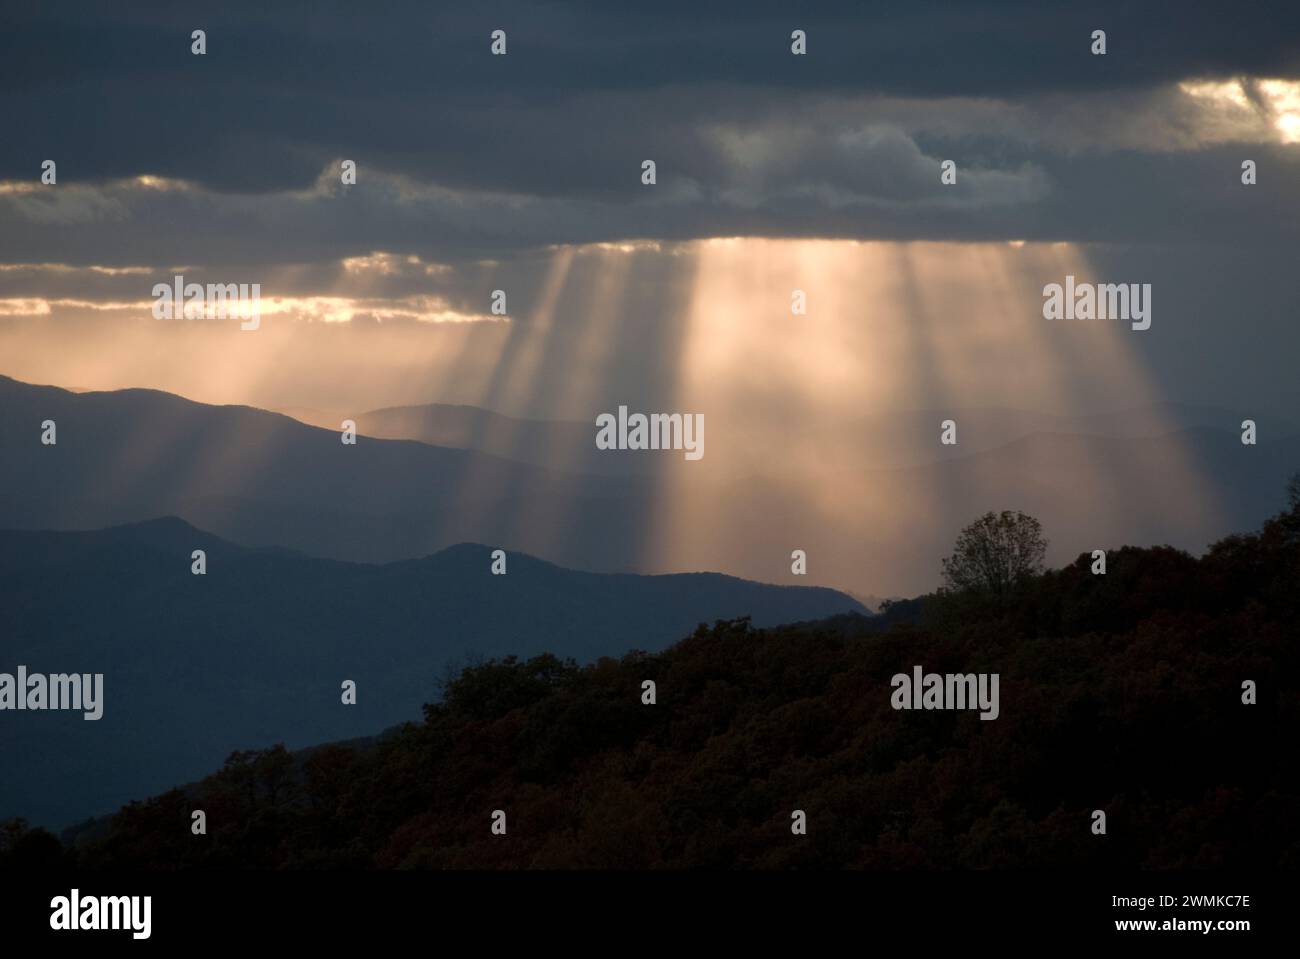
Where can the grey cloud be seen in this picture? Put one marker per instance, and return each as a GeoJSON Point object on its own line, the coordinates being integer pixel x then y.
{"type": "Point", "coordinates": [464, 156]}
{"type": "Point", "coordinates": [116, 91]}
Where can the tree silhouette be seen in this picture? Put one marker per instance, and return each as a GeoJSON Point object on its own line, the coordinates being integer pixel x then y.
{"type": "Point", "coordinates": [1124, 683]}
{"type": "Point", "coordinates": [995, 554]}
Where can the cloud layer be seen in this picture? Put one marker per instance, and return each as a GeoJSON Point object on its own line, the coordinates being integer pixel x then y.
{"type": "Point", "coordinates": [234, 156]}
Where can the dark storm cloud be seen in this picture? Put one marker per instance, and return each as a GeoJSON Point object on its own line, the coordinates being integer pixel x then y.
{"type": "Point", "coordinates": [1192, 199]}
{"type": "Point", "coordinates": [116, 91]}
{"type": "Point", "coordinates": [544, 145]}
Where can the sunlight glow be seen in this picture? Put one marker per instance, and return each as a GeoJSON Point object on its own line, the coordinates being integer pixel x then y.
{"type": "Point", "coordinates": [822, 430]}
{"type": "Point", "coordinates": [890, 327]}
{"type": "Point", "coordinates": [1254, 108]}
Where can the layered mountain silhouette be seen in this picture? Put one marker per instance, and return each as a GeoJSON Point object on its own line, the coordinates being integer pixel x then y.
{"type": "Point", "coordinates": [1153, 693]}
{"type": "Point", "coordinates": [883, 440]}
{"type": "Point", "coordinates": [265, 479]}
{"type": "Point", "coordinates": [255, 651]}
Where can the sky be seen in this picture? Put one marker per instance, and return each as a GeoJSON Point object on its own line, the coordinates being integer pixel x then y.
{"type": "Point", "coordinates": [774, 172]}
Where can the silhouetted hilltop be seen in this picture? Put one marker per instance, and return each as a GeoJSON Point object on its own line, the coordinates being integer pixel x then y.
{"type": "Point", "coordinates": [1120, 692]}
{"type": "Point", "coordinates": [254, 651]}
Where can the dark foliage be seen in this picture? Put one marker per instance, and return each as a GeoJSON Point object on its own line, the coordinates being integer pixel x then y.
{"type": "Point", "coordinates": [1120, 692]}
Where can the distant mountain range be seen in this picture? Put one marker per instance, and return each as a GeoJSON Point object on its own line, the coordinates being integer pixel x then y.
{"type": "Point", "coordinates": [1167, 474]}
{"type": "Point", "coordinates": [883, 440]}
{"type": "Point", "coordinates": [562, 445]}
{"type": "Point", "coordinates": [254, 652]}
{"type": "Point", "coordinates": [267, 480]}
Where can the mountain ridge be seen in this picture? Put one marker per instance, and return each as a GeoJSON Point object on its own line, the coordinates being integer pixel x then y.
{"type": "Point", "coordinates": [255, 650]}
{"type": "Point", "coordinates": [263, 479]}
